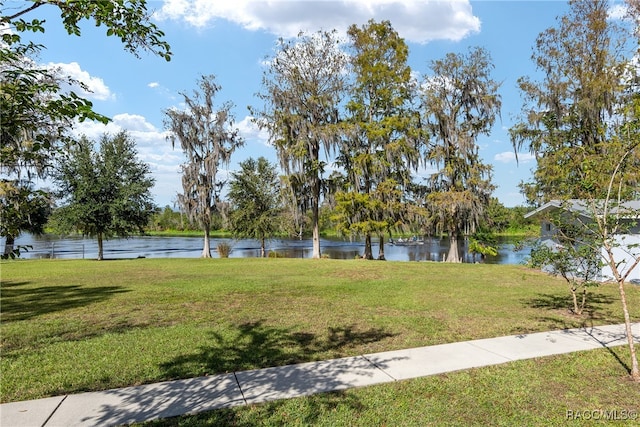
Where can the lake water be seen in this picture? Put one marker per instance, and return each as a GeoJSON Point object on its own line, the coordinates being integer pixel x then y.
{"type": "Point", "coordinates": [433, 249]}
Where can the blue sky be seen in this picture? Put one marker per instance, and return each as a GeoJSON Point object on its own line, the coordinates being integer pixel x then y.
{"type": "Point", "coordinates": [231, 40]}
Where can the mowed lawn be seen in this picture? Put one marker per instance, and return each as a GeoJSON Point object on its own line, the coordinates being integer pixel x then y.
{"type": "Point", "coordinates": [69, 326]}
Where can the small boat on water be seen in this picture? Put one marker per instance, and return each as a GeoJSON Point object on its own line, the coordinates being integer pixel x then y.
{"type": "Point", "coordinates": [413, 241]}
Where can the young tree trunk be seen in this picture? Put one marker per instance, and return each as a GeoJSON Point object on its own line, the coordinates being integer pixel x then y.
{"type": "Point", "coordinates": [206, 248]}
{"type": "Point", "coordinates": [368, 252]}
{"type": "Point", "coordinates": [635, 371]}
{"type": "Point", "coordinates": [453, 255]}
{"type": "Point", "coordinates": [8, 245]}
{"type": "Point", "coordinates": [610, 259]}
{"type": "Point", "coordinates": [381, 250]}
{"type": "Point", "coordinates": [100, 248]}
{"type": "Point", "coordinates": [574, 297]}
{"type": "Point", "coordinates": [263, 252]}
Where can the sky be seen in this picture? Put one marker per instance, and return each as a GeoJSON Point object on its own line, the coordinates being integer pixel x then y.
{"type": "Point", "coordinates": [232, 40]}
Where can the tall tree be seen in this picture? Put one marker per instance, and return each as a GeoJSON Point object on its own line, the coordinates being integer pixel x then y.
{"type": "Point", "coordinates": [105, 193]}
{"type": "Point", "coordinates": [207, 137]}
{"type": "Point", "coordinates": [36, 112]}
{"type": "Point", "coordinates": [380, 148]}
{"type": "Point", "coordinates": [460, 102]}
{"type": "Point", "coordinates": [567, 115]}
{"type": "Point", "coordinates": [303, 88]}
{"type": "Point", "coordinates": [256, 201]}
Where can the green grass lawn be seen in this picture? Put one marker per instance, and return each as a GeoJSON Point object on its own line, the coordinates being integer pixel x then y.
{"type": "Point", "coordinates": [77, 325]}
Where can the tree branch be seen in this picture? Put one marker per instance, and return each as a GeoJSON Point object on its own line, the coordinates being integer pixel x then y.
{"type": "Point", "coordinates": [22, 12]}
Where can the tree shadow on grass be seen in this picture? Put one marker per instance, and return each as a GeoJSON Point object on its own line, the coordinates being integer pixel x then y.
{"type": "Point", "coordinates": [308, 412]}
{"type": "Point", "coordinates": [598, 307]}
{"type": "Point", "coordinates": [20, 301]}
{"type": "Point", "coordinates": [233, 357]}
{"type": "Point", "coordinates": [256, 345]}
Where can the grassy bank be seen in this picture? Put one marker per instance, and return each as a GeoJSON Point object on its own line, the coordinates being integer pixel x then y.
{"type": "Point", "coordinates": [76, 325]}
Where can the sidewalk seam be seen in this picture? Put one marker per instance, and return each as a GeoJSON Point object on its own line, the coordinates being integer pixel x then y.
{"type": "Point", "coordinates": [240, 388]}
{"type": "Point", "coordinates": [54, 410]}
{"type": "Point", "coordinates": [471, 343]}
{"type": "Point", "coordinates": [375, 365]}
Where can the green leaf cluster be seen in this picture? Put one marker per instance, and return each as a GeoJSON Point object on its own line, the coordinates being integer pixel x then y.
{"type": "Point", "coordinates": [256, 201]}
{"type": "Point", "coordinates": [578, 118]}
{"type": "Point", "coordinates": [104, 192]}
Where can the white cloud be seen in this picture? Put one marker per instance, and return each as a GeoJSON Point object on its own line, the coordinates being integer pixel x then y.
{"type": "Point", "coordinates": [133, 122]}
{"type": "Point", "coordinates": [618, 11]}
{"type": "Point", "coordinates": [153, 85]}
{"type": "Point", "coordinates": [510, 157]}
{"type": "Point", "coordinates": [95, 86]}
{"type": "Point", "coordinates": [5, 29]}
{"type": "Point", "coordinates": [250, 131]}
{"type": "Point", "coordinates": [93, 130]}
{"type": "Point", "coordinates": [416, 20]}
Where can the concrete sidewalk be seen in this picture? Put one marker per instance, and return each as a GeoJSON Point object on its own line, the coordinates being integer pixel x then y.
{"type": "Point", "coordinates": [172, 398]}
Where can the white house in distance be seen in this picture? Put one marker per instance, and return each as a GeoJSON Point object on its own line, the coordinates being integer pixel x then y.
{"type": "Point", "coordinates": [626, 245]}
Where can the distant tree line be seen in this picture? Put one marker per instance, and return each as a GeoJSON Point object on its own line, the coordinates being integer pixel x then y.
{"type": "Point", "coordinates": [500, 220]}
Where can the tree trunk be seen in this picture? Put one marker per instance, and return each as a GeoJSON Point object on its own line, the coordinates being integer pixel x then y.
{"type": "Point", "coordinates": [635, 371]}
{"type": "Point", "coordinates": [206, 248]}
{"type": "Point", "coordinates": [316, 240]}
{"type": "Point", "coordinates": [574, 297]}
{"type": "Point", "coordinates": [368, 253]}
{"type": "Point", "coordinates": [8, 245]}
{"type": "Point", "coordinates": [453, 255]}
{"type": "Point", "coordinates": [263, 252]}
{"type": "Point", "coordinates": [381, 250]}
{"type": "Point", "coordinates": [100, 248]}
{"type": "Point", "coordinates": [315, 208]}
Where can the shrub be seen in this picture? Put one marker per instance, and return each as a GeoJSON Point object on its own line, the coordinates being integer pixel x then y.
{"type": "Point", "coordinates": [274, 254]}
{"type": "Point", "coordinates": [224, 249]}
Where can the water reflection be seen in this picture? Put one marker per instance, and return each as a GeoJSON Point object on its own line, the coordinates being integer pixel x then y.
{"type": "Point", "coordinates": [432, 249]}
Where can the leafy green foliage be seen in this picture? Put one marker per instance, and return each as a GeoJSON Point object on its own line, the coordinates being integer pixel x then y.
{"type": "Point", "coordinates": [35, 111]}
{"type": "Point", "coordinates": [570, 117]}
{"type": "Point", "coordinates": [380, 148]}
{"type": "Point", "coordinates": [35, 114]}
{"type": "Point", "coordinates": [105, 193]}
{"type": "Point", "coordinates": [127, 20]}
{"type": "Point", "coordinates": [577, 265]}
{"type": "Point", "coordinates": [581, 122]}
{"type": "Point", "coordinates": [21, 209]}
{"type": "Point", "coordinates": [483, 243]}
{"type": "Point", "coordinates": [256, 201]}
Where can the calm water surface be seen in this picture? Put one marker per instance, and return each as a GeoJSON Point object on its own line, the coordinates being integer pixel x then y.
{"type": "Point", "coordinates": [433, 249]}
